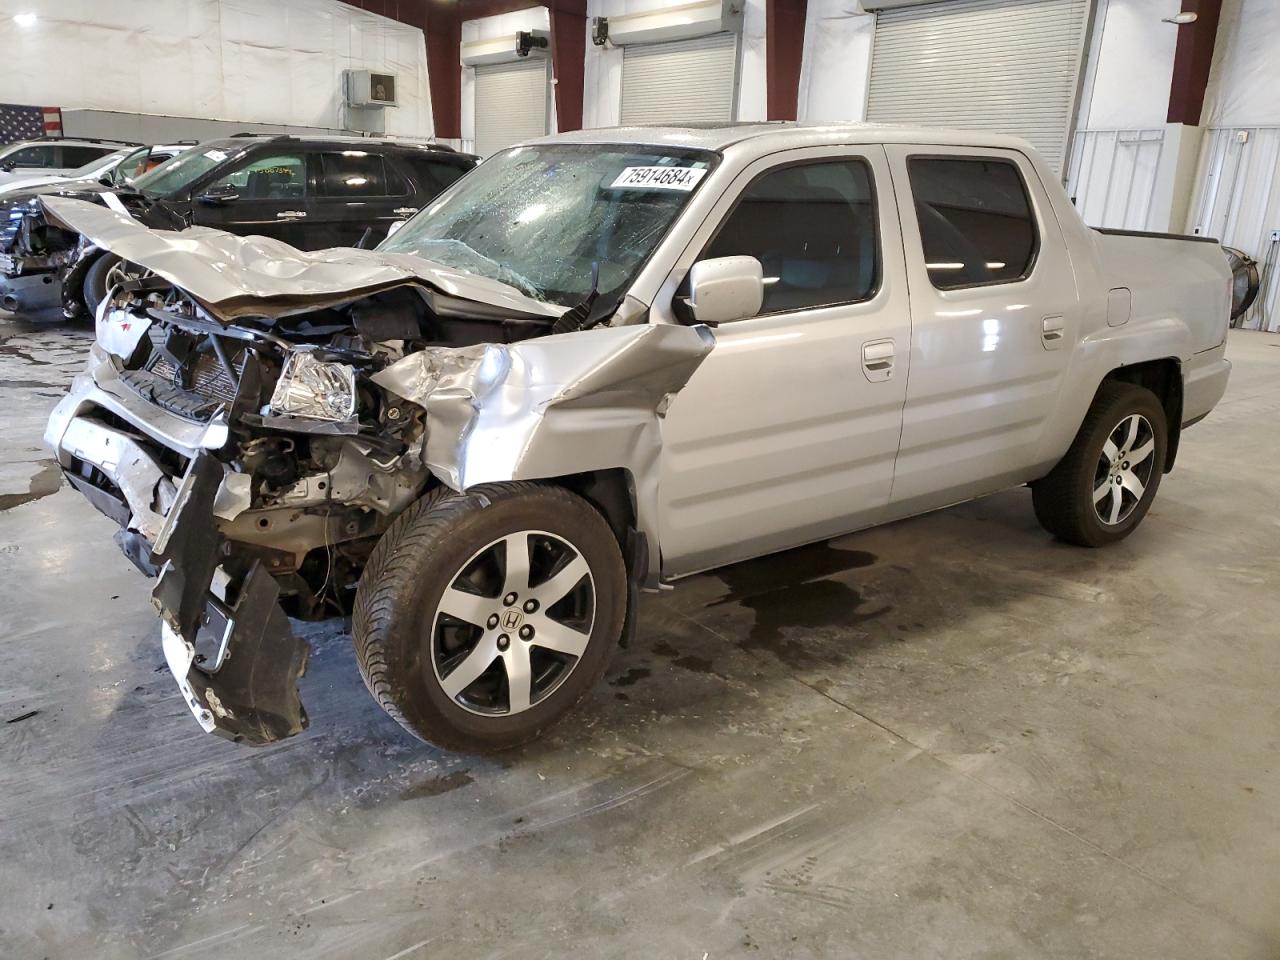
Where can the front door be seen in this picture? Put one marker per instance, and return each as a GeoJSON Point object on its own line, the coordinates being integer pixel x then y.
{"type": "Point", "coordinates": [994, 314]}
{"type": "Point", "coordinates": [787, 431]}
{"type": "Point", "coordinates": [268, 197]}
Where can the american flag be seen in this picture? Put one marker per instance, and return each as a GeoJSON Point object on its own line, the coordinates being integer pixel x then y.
{"type": "Point", "coordinates": [20, 122]}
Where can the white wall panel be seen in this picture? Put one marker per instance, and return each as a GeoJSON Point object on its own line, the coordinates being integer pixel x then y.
{"type": "Point", "coordinates": [1242, 84]}
{"type": "Point", "coordinates": [240, 60]}
{"type": "Point", "coordinates": [837, 61]}
{"type": "Point", "coordinates": [1129, 87]}
{"type": "Point", "coordinates": [1114, 176]}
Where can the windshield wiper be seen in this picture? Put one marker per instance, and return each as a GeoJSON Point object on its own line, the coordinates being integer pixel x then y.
{"type": "Point", "coordinates": [577, 316]}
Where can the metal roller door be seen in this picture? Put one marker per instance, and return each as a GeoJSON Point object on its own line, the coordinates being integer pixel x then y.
{"type": "Point", "coordinates": [1002, 66]}
{"type": "Point", "coordinates": [680, 81]}
{"type": "Point", "coordinates": [511, 103]}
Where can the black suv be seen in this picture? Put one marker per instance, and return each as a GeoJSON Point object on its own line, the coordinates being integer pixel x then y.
{"type": "Point", "coordinates": [310, 192]}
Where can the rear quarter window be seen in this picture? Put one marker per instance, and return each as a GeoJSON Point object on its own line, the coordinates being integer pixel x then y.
{"type": "Point", "coordinates": [976, 222]}
{"type": "Point", "coordinates": [432, 176]}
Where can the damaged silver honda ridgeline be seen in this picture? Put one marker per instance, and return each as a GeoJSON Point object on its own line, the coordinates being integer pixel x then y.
{"type": "Point", "coordinates": [285, 434]}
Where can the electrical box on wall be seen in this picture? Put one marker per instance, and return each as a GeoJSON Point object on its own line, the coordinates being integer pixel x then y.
{"type": "Point", "coordinates": [364, 88]}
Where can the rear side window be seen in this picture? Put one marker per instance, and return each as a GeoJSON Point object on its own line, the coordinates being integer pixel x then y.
{"type": "Point", "coordinates": [975, 218]}
{"type": "Point", "coordinates": [352, 174]}
{"type": "Point", "coordinates": [431, 175]}
{"type": "Point", "coordinates": [79, 156]}
{"type": "Point", "coordinates": [813, 228]}
{"type": "Point", "coordinates": [32, 157]}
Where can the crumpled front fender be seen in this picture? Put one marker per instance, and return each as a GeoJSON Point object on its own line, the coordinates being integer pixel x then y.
{"type": "Point", "coordinates": [559, 405]}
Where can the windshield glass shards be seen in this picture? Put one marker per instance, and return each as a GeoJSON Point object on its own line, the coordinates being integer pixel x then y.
{"type": "Point", "coordinates": [543, 218]}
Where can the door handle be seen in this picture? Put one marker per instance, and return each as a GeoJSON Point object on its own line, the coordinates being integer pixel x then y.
{"type": "Point", "coordinates": [877, 360]}
{"type": "Point", "coordinates": [291, 214]}
{"type": "Point", "coordinates": [1051, 332]}
{"type": "Point", "coordinates": [405, 211]}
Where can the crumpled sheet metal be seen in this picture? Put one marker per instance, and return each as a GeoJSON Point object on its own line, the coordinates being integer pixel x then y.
{"type": "Point", "coordinates": [553, 406]}
{"type": "Point", "coordinates": [235, 277]}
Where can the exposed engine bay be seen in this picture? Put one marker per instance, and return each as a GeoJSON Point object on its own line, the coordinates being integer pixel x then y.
{"type": "Point", "coordinates": [255, 418]}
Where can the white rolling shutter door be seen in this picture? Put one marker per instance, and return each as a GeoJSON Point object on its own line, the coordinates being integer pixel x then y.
{"type": "Point", "coordinates": [511, 103]}
{"type": "Point", "coordinates": [680, 81]}
{"type": "Point", "coordinates": [1001, 66]}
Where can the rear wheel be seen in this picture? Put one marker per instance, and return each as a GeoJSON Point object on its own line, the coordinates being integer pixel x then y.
{"type": "Point", "coordinates": [484, 617]}
{"type": "Point", "coordinates": [1100, 491]}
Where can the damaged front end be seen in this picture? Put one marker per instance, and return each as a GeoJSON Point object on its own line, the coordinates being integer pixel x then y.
{"type": "Point", "coordinates": [254, 418]}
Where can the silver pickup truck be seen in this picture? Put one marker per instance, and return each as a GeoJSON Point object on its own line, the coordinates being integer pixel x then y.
{"type": "Point", "coordinates": [600, 362]}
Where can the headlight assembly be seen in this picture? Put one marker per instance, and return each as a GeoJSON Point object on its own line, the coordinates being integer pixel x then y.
{"type": "Point", "coordinates": [315, 389]}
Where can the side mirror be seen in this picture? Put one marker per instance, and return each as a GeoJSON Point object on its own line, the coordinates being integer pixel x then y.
{"type": "Point", "coordinates": [220, 193]}
{"type": "Point", "coordinates": [8, 166]}
{"type": "Point", "coordinates": [725, 289]}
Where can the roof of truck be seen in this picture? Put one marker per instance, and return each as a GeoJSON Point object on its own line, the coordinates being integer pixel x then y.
{"type": "Point", "coordinates": [770, 136]}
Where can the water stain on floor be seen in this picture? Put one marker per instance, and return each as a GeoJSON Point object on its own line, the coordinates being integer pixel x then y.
{"type": "Point", "coordinates": [47, 480]}
{"type": "Point", "coordinates": [797, 588]}
{"type": "Point", "coordinates": [438, 785]}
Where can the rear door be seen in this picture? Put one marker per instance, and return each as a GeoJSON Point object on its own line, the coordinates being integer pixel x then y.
{"type": "Point", "coordinates": [994, 313]}
{"type": "Point", "coordinates": [356, 190]}
{"type": "Point", "coordinates": [788, 430]}
{"type": "Point", "coordinates": [270, 192]}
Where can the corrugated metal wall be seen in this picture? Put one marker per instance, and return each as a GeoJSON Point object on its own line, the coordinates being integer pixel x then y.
{"type": "Point", "coordinates": [1112, 176]}
{"type": "Point", "coordinates": [1238, 202]}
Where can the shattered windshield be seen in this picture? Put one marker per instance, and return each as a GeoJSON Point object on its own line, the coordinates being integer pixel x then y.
{"type": "Point", "coordinates": [538, 218]}
{"type": "Point", "coordinates": [180, 171]}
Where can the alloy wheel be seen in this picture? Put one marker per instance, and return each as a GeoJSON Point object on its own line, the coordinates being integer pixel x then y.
{"type": "Point", "coordinates": [1124, 469]}
{"type": "Point", "coordinates": [513, 623]}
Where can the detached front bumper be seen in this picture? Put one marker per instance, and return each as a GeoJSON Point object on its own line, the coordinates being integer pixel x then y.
{"type": "Point", "coordinates": [226, 638]}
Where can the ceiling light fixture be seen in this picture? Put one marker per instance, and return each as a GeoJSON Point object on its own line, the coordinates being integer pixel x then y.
{"type": "Point", "coordinates": [25, 19]}
{"type": "Point", "coordinates": [1178, 19]}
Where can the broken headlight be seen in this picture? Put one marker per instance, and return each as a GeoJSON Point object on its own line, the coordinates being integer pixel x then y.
{"type": "Point", "coordinates": [315, 389]}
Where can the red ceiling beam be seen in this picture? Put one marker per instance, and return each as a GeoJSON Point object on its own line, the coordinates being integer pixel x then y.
{"type": "Point", "coordinates": [784, 52]}
{"type": "Point", "coordinates": [1192, 60]}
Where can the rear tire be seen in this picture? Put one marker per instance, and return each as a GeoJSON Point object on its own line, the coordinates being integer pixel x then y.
{"type": "Point", "coordinates": [470, 650]}
{"type": "Point", "coordinates": [1100, 491]}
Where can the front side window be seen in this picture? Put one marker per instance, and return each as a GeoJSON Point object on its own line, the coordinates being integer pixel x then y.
{"type": "Point", "coordinates": [278, 177]}
{"type": "Point", "coordinates": [352, 174]}
{"type": "Point", "coordinates": [41, 156]}
{"type": "Point", "coordinates": [976, 224]}
{"type": "Point", "coordinates": [812, 226]}
{"type": "Point", "coordinates": [178, 173]}
{"type": "Point", "coordinates": [540, 218]}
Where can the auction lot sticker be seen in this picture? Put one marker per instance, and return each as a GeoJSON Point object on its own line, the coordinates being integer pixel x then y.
{"type": "Point", "coordinates": [659, 178]}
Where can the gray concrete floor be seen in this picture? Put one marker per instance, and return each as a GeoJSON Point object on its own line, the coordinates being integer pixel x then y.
{"type": "Point", "coordinates": [949, 737]}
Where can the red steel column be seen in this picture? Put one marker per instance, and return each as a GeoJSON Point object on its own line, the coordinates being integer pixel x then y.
{"type": "Point", "coordinates": [784, 52]}
{"type": "Point", "coordinates": [1191, 61]}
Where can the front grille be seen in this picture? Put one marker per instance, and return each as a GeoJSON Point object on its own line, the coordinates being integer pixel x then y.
{"type": "Point", "coordinates": [205, 377]}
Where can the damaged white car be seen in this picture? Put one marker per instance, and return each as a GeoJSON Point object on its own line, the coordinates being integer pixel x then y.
{"type": "Point", "coordinates": [596, 363]}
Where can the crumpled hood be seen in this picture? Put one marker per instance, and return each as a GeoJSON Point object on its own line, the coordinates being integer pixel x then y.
{"type": "Point", "coordinates": [235, 277]}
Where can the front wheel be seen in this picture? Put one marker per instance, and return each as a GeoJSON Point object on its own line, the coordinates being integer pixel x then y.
{"type": "Point", "coordinates": [1100, 491]}
{"type": "Point", "coordinates": [97, 282]}
{"type": "Point", "coordinates": [484, 617]}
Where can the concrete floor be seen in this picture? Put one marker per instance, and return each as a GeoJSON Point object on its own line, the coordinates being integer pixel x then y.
{"type": "Point", "coordinates": [949, 737]}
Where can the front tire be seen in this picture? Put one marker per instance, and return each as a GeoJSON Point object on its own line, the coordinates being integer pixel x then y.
{"type": "Point", "coordinates": [1100, 491]}
{"type": "Point", "coordinates": [96, 282]}
{"type": "Point", "coordinates": [484, 617]}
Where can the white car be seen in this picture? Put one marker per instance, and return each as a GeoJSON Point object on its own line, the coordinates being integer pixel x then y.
{"type": "Point", "coordinates": [117, 167]}
{"type": "Point", "coordinates": [596, 364]}
{"type": "Point", "coordinates": [51, 155]}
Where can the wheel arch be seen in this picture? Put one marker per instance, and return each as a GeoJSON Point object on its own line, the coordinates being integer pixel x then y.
{"type": "Point", "coordinates": [1163, 377]}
